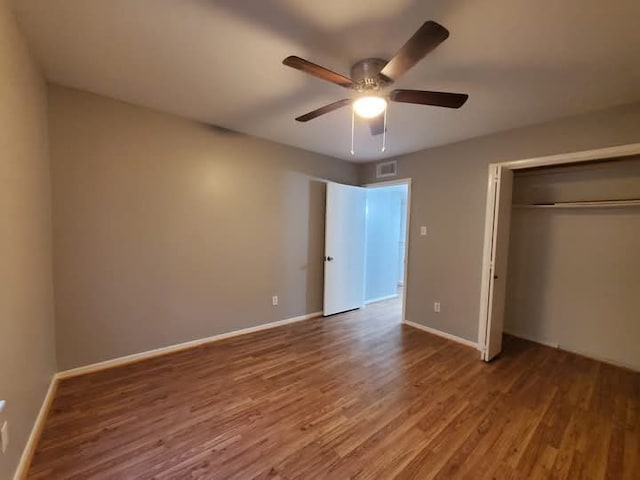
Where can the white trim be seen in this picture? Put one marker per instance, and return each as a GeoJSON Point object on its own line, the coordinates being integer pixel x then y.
{"type": "Point", "coordinates": [485, 285]}
{"type": "Point", "coordinates": [32, 442]}
{"type": "Point", "coordinates": [439, 333]}
{"type": "Point", "coordinates": [575, 157]}
{"type": "Point", "coordinates": [407, 182]}
{"type": "Point", "coordinates": [36, 430]}
{"type": "Point", "coordinates": [609, 153]}
{"type": "Point", "coordinates": [381, 299]}
{"type": "Point", "coordinates": [388, 183]}
{"type": "Point", "coordinates": [136, 357]}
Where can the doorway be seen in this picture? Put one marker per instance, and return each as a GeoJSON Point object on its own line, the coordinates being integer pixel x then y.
{"type": "Point", "coordinates": [386, 245]}
{"type": "Point", "coordinates": [366, 247]}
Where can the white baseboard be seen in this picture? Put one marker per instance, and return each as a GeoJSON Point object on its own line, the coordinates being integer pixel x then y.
{"type": "Point", "coordinates": [32, 442]}
{"type": "Point", "coordinates": [439, 333]}
{"type": "Point", "coordinates": [34, 436]}
{"type": "Point", "coordinates": [381, 299]}
{"type": "Point", "coordinates": [136, 357]}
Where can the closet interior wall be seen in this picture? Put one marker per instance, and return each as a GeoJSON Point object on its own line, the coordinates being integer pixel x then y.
{"type": "Point", "coordinates": [574, 273]}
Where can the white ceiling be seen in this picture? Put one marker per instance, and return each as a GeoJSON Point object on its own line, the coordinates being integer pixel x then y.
{"type": "Point", "coordinates": [219, 61]}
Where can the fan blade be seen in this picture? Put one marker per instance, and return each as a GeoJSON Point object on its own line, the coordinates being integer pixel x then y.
{"type": "Point", "coordinates": [437, 99]}
{"type": "Point", "coordinates": [318, 71]}
{"type": "Point", "coordinates": [322, 110]}
{"type": "Point", "coordinates": [376, 125]}
{"type": "Point", "coordinates": [427, 38]}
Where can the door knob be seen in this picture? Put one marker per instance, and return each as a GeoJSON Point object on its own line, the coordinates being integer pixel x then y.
{"type": "Point", "coordinates": [328, 259]}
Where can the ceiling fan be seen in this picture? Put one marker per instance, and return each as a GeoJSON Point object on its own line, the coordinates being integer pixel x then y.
{"type": "Point", "coordinates": [369, 78]}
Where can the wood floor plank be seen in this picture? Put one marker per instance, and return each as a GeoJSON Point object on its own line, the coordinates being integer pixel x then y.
{"type": "Point", "coordinates": [356, 395]}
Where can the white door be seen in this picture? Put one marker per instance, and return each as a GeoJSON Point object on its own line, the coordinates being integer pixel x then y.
{"type": "Point", "coordinates": [344, 248]}
{"type": "Point", "coordinates": [502, 186]}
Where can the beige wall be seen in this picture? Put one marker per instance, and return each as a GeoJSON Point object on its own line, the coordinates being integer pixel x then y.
{"type": "Point", "coordinates": [574, 275]}
{"type": "Point", "coordinates": [448, 195]}
{"type": "Point", "coordinates": [166, 230]}
{"type": "Point", "coordinates": [27, 349]}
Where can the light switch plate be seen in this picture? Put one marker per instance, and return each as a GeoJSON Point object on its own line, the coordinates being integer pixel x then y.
{"type": "Point", "coordinates": [423, 231]}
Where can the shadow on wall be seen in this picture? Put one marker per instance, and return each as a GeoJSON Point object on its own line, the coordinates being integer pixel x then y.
{"type": "Point", "coordinates": [300, 249]}
{"type": "Point", "coordinates": [315, 254]}
{"type": "Point", "coordinates": [573, 281]}
{"type": "Point", "coordinates": [530, 257]}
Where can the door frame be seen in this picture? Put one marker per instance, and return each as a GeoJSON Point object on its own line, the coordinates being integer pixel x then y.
{"type": "Point", "coordinates": [391, 183]}
{"type": "Point", "coordinates": [609, 153]}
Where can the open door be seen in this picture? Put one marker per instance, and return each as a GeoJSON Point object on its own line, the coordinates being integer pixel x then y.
{"type": "Point", "coordinates": [344, 248]}
{"type": "Point", "coordinates": [495, 269]}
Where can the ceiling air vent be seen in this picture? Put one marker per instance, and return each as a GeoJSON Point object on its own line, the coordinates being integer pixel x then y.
{"type": "Point", "coordinates": [386, 169]}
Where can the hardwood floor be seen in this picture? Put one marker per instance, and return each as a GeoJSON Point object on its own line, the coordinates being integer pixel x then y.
{"type": "Point", "coordinates": [352, 396]}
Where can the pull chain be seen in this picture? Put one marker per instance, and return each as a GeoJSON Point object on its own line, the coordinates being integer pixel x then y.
{"type": "Point", "coordinates": [384, 132]}
{"type": "Point", "coordinates": [353, 126]}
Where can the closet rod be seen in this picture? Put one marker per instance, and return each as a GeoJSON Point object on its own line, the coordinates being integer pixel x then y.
{"type": "Point", "coordinates": [584, 204]}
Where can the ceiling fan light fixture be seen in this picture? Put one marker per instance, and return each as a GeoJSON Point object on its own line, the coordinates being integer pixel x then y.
{"type": "Point", "coordinates": [369, 106]}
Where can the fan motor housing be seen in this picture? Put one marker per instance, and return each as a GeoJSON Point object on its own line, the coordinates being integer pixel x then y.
{"type": "Point", "coordinates": [366, 73]}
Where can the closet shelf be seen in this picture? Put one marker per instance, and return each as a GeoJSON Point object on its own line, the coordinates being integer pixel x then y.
{"type": "Point", "coordinates": [584, 204]}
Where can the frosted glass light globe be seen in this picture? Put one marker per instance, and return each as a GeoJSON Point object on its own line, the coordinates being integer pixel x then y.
{"type": "Point", "coordinates": [369, 107]}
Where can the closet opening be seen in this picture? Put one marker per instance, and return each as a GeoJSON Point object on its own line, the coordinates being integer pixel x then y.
{"type": "Point", "coordinates": [562, 255]}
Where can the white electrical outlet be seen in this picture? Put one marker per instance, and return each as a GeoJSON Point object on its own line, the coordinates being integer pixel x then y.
{"type": "Point", "coordinates": [423, 231]}
{"type": "Point", "coordinates": [274, 300]}
{"type": "Point", "coordinates": [436, 307]}
{"type": "Point", "coordinates": [5, 436]}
